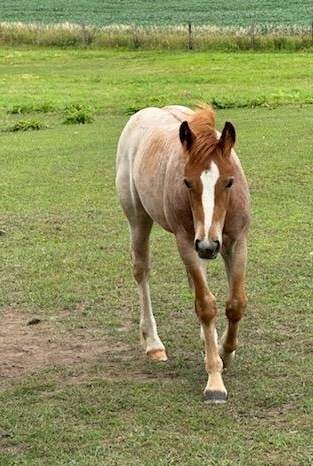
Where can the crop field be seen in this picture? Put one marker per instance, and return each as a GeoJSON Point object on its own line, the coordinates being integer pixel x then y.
{"type": "Point", "coordinates": [172, 12]}
{"type": "Point", "coordinates": [75, 386]}
{"type": "Point", "coordinates": [174, 25]}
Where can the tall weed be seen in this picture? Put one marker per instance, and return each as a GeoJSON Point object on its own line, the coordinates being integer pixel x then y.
{"type": "Point", "coordinates": [200, 38]}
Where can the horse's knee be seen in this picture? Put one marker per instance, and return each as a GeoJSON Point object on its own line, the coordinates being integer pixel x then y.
{"type": "Point", "coordinates": [140, 269]}
{"type": "Point", "coordinates": [206, 309]}
{"type": "Point", "coordinates": [235, 308]}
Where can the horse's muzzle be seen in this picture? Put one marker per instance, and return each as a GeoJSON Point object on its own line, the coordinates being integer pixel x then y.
{"type": "Point", "coordinates": [207, 250]}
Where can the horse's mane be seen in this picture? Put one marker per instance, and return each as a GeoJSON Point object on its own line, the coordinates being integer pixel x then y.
{"type": "Point", "coordinates": [202, 124]}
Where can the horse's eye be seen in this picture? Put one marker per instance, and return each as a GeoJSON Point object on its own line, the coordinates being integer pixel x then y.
{"type": "Point", "coordinates": [229, 183]}
{"type": "Point", "coordinates": [187, 183]}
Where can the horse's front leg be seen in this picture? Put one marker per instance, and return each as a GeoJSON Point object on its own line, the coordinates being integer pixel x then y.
{"type": "Point", "coordinates": [150, 340]}
{"type": "Point", "coordinates": [235, 257]}
{"type": "Point", "coordinates": [205, 308]}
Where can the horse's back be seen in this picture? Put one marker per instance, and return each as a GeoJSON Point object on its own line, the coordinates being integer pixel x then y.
{"type": "Point", "coordinates": [145, 121]}
{"type": "Point", "coordinates": [179, 112]}
{"type": "Point", "coordinates": [151, 129]}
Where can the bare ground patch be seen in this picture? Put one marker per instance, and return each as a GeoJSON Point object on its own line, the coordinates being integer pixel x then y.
{"type": "Point", "coordinates": [29, 345]}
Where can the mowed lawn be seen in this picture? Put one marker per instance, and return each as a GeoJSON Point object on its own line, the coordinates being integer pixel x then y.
{"type": "Point", "coordinates": [75, 387]}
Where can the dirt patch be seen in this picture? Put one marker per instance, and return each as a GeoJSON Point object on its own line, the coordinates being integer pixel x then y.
{"type": "Point", "coordinates": [29, 345]}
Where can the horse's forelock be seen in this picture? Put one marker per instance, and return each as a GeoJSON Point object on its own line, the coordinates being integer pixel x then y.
{"type": "Point", "coordinates": [204, 116]}
{"type": "Point", "coordinates": [202, 124]}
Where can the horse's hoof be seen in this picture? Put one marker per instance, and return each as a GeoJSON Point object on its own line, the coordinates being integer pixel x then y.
{"type": "Point", "coordinates": [215, 397]}
{"type": "Point", "coordinates": [157, 355]}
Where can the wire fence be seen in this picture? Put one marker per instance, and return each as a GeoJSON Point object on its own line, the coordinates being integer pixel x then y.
{"type": "Point", "coordinates": [185, 37]}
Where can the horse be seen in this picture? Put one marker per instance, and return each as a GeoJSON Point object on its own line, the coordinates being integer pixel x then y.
{"type": "Point", "coordinates": [174, 168]}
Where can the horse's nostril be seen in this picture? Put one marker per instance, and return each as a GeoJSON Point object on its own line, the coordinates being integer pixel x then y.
{"type": "Point", "coordinates": [197, 244]}
{"type": "Point", "coordinates": [217, 245]}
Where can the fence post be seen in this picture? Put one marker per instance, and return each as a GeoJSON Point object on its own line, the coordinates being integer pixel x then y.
{"type": "Point", "coordinates": [38, 34]}
{"type": "Point", "coordinates": [83, 35]}
{"type": "Point", "coordinates": [136, 38]}
{"type": "Point", "coordinates": [252, 38]}
{"type": "Point", "coordinates": [190, 45]}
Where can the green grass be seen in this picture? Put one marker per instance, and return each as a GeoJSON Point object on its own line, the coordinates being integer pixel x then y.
{"type": "Point", "coordinates": [49, 81]}
{"type": "Point", "coordinates": [64, 259]}
{"type": "Point", "coordinates": [172, 12]}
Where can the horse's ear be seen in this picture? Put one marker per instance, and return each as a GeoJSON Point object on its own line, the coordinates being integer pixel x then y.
{"type": "Point", "coordinates": [185, 134]}
{"type": "Point", "coordinates": [228, 138]}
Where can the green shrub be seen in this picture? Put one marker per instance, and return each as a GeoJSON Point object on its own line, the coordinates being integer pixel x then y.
{"type": "Point", "coordinates": [77, 114]}
{"type": "Point", "coordinates": [27, 125]}
{"type": "Point", "coordinates": [45, 107]}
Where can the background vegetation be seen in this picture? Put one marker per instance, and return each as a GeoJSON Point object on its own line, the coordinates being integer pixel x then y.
{"type": "Point", "coordinates": [52, 82]}
{"type": "Point", "coordinates": [173, 25]}
{"type": "Point", "coordinates": [79, 391]}
{"type": "Point", "coordinates": [161, 13]}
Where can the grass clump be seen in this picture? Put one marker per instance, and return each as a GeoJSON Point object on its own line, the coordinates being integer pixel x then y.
{"type": "Point", "coordinates": [23, 109]}
{"type": "Point", "coordinates": [27, 125]}
{"type": "Point", "coordinates": [77, 114]}
{"type": "Point", "coordinates": [240, 103]}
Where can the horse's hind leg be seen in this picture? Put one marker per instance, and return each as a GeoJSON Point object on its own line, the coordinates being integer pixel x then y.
{"type": "Point", "coordinates": [235, 258]}
{"type": "Point", "coordinates": [139, 235]}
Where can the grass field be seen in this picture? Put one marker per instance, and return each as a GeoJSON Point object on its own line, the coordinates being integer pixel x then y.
{"type": "Point", "coordinates": [75, 388]}
{"type": "Point", "coordinates": [172, 12]}
{"type": "Point", "coordinates": [46, 81]}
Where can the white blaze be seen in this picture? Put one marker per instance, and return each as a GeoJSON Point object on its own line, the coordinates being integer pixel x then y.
{"type": "Point", "coordinates": [209, 178]}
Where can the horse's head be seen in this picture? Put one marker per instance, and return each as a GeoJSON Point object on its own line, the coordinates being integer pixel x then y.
{"type": "Point", "coordinates": [208, 176]}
